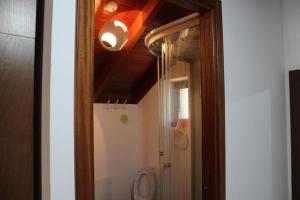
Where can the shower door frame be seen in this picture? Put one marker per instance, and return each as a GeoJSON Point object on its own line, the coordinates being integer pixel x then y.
{"type": "Point", "coordinates": [213, 101]}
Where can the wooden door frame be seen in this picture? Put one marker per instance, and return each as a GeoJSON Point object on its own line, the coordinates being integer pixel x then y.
{"type": "Point", "coordinates": [213, 103]}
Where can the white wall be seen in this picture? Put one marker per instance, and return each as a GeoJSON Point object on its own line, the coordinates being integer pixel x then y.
{"type": "Point", "coordinates": [291, 30]}
{"type": "Point", "coordinates": [58, 100]}
{"type": "Point", "coordinates": [150, 143]}
{"type": "Point", "coordinates": [117, 149]}
{"type": "Point", "coordinates": [256, 164]}
{"type": "Point", "coordinates": [291, 22]}
{"type": "Point", "coordinates": [121, 150]}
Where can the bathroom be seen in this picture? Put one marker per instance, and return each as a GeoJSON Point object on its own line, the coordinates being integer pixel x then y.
{"type": "Point", "coordinates": [59, 84]}
{"type": "Point", "coordinates": [123, 148]}
{"type": "Point", "coordinates": [147, 109]}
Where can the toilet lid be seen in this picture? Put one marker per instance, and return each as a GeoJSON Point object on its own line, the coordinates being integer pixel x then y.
{"type": "Point", "coordinates": [144, 185]}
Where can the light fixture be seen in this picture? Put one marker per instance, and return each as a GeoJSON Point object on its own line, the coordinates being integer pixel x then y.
{"type": "Point", "coordinates": [113, 35]}
{"type": "Point", "coordinates": [109, 40]}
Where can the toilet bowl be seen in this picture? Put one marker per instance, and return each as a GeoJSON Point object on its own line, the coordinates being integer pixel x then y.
{"type": "Point", "coordinates": [144, 185]}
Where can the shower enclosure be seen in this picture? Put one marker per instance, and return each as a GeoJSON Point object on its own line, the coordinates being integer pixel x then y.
{"type": "Point", "coordinates": [177, 47]}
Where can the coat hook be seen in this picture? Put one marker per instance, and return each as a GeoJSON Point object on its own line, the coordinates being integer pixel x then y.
{"type": "Point", "coordinates": [107, 104]}
{"type": "Point", "coordinates": [124, 116]}
{"type": "Point", "coordinates": [116, 106]}
{"type": "Point", "coordinates": [124, 104]}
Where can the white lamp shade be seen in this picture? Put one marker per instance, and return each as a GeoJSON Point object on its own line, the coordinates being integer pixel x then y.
{"type": "Point", "coordinates": [113, 35]}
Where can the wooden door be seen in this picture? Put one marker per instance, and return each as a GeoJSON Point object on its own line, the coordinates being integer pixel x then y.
{"type": "Point", "coordinates": [295, 131]}
{"type": "Point", "coordinates": [18, 154]}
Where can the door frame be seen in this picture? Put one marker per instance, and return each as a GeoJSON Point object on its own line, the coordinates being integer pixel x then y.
{"type": "Point", "coordinates": [212, 98]}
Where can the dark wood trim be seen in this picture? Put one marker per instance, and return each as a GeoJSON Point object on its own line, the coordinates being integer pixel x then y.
{"type": "Point", "coordinates": [84, 98]}
{"type": "Point", "coordinates": [193, 5]}
{"type": "Point", "coordinates": [213, 106]}
{"type": "Point", "coordinates": [294, 81]}
{"type": "Point", "coordinates": [220, 166]}
{"type": "Point", "coordinates": [38, 68]}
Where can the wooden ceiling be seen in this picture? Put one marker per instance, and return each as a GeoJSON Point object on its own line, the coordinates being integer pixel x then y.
{"type": "Point", "coordinates": [127, 75]}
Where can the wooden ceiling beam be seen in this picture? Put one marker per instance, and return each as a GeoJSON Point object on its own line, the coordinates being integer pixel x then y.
{"type": "Point", "coordinates": [135, 32]}
{"type": "Point", "coordinates": [194, 5]}
{"type": "Point", "coordinates": [140, 23]}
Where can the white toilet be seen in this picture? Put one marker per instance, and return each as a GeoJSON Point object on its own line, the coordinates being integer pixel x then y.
{"type": "Point", "coordinates": [145, 185]}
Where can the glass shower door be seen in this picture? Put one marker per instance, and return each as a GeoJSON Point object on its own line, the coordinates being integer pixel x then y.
{"type": "Point", "coordinates": [177, 93]}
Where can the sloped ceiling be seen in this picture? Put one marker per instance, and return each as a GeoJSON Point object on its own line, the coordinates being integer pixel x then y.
{"type": "Point", "coordinates": [129, 74]}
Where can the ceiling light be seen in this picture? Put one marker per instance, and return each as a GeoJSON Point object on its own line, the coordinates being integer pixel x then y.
{"type": "Point", "coordinates": [113, 35]}
{"type": "Point", "coordinates": [109, 40]}
{"type": "Point", "coordinates": [120, 24]}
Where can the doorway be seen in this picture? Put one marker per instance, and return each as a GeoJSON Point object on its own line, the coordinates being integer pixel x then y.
{"type": "Point", "coordinates": [207, 181]}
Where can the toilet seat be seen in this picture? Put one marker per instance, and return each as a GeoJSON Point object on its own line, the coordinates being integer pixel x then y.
{"type": "Point", "coordinates": [144, 173]}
